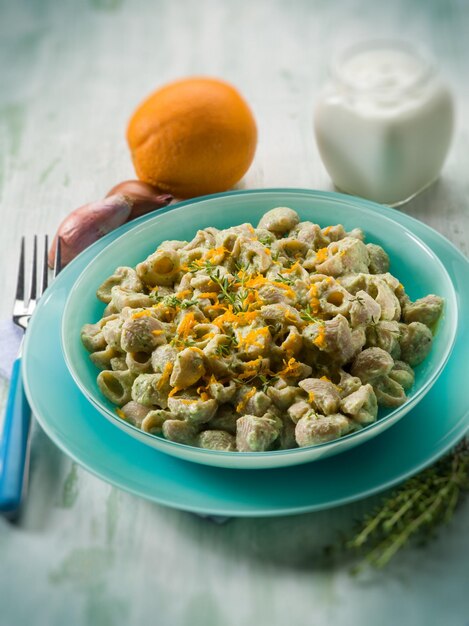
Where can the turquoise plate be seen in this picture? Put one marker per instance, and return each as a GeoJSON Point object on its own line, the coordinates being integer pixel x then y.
{"type": "Point", "coordinates": [71, 421]}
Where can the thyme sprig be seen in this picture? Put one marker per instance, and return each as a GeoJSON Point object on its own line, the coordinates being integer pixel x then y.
{"type": "Point", "coordinates": [199, 264]}
{"type": "Point", "coordinates": [173, 301]}
{"type": "Point", "coordinates": [306, 315]}
{"type": "Point", "coordinates": [224, 349]}
{"type": "Point", "coordinates": [414, 511]}
{"type": "Point", "coordinates": [358, 299]}
{"type": "Point", "coordinates": [232, 289]}
{"type": "Point", "coordinates": [267, 382]}
{"type": "Point", "coordinates": [285, 279]}
{"type": "Point", "coordinates": [243, 291]}
{"type": "Point", "coordinates": [242, 267]}
{"type": "Point", "coordinates": [266, 240]}
{"type": "Point", "coordinates": [227, 287]}
{"type": "Point", "coordinates": [185, 343]}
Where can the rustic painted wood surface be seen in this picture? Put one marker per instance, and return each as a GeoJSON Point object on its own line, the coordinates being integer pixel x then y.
{"type": "Point", "coordinates": [85, 553]}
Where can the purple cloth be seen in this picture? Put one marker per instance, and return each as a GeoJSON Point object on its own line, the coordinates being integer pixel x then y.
{"type": "Point", "coordinates": [10, 339]}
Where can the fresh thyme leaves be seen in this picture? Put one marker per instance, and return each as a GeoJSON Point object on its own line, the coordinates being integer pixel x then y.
{"type": "Point", "coordinates": [267, 382]}
{"type": "Point", "coordinates": [284, 279]}
{"type": "Point", "coordinates": [246, 381]}
{"type": "Point", "coordinates": [414, 511]}
{"type": "Point", "coordinates": [241, 267]}
{"type": "Point", "coordinates": [224, 349]}
{"type": "Point", "coordinates": [173, 301]}
{"type": "Point", "coordinates": [241, 381]}
{"type": "Point", "coordinates": [358, 299]}
{"type": "Point", "coordinates": [262, 382]}
{"type": "Point", "coordinates": [227, 288]}
{"type": "Point", "coordinates": [265, 240]}
{"type": "Point", "coordinates": [185, 304]}
{"type": "Point", "coordinates": [178, 341]}
{"type": "Point", "coordinates": [242, 293]}
{"type": "Point", "coordinates": [232, 290]}
{"type": "Point", "coordinates": [199, 264]}
{"type": "Point", "coordinates": [306, 315]}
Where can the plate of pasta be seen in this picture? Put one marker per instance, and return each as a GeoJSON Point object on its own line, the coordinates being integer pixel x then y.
{"type": "Point", "coordinates": [260, 331]}
{"type": "Point", "coordinates": [431, 428]}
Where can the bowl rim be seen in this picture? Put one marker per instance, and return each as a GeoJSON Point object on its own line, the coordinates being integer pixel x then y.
{"type": "Point", "coordinates": [340, 198]}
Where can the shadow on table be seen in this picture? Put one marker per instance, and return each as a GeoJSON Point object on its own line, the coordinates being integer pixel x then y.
{"type": "Point", "coordinates": [300, 542]}
{"type": "Point", "coordinates": [46, 472]}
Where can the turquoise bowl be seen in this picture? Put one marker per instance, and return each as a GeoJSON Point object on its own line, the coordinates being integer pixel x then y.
{"type": "Point", "coordinates": [412, 262]}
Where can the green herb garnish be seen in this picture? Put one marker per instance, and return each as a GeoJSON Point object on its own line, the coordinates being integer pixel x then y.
{"type": "Point", "coordinates": [199, 264]}
{"type": "Point", "coordinates": [414, 511]}
{"type": "Point", "coordinates": [224, 349]}
{"type": "Point", "coordinates": [284, 279]}
{"type": "Point", "coordinates": [307, 315]}
{"type": "Point", "coordinates": [173, 301]}
{"type": "Point", "coordinates": [267, 382]}
{"type": "Point", "coordinates": [226, 285]}
{"type": "Point", "coordinates": [186, 343]}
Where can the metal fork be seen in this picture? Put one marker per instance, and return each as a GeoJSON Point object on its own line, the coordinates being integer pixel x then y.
{"type": "Point", "coordinates": [15, 428]}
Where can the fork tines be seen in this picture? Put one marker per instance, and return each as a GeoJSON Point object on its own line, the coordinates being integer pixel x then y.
{"type": "Point", "coordinates": [24, 306]}
{"type": "Point", "coordinates": [20, 282]}
{"type": "Point", "coordinates": [58, 257]}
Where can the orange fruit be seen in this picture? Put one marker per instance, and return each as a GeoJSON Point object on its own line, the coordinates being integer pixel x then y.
{"type": "Point", "coordinates": [192, 137]}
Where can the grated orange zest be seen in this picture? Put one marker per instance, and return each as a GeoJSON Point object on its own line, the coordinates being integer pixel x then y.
{"type": "Point", "coordinates": [138, 314]}
{"type": "Point", "coordinates": [242, 404]}
{"type": "Point", "coordinates": [322, 255]}
{"type": "Point", "coordinates": [186, 325]}
{"type": "Point", "coordinates": [165, 375]}
{"type": "Point", "coordinates": [320, 339]}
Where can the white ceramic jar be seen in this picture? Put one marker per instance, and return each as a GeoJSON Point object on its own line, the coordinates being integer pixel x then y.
{"type": "Point", "coordinates": [384, 122]}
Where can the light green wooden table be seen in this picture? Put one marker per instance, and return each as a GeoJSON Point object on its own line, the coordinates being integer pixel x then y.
{"type": "Point", "coordinates": [84, 553]}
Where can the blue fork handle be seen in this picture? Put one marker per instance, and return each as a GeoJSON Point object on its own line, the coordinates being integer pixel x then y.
{"type": "Point", "coordinates": [14, 437]}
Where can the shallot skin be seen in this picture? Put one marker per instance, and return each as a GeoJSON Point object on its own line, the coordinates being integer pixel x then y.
{"type": "Point", "coordinates": [90, 222]}
{"type": "Point", "coordinates": [143, 197]}
{"type": "Point", "coordinates": [87, 224]}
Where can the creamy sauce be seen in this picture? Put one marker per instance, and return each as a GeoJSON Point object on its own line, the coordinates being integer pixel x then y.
{"type": "Point", "coordinates": [384, 124]}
